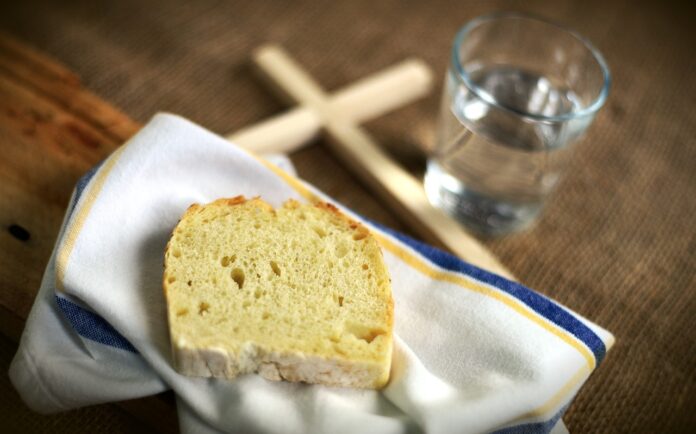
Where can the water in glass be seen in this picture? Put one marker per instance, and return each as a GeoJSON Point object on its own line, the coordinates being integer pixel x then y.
{"type": "Point", "coordinates": [490, 170]}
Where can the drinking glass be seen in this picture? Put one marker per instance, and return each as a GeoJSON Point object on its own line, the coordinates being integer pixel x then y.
{"type": "Point", "coordinates": [518, 92]}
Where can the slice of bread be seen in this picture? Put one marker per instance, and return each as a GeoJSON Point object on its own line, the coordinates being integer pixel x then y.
{"type": "Point", "coordinates": [300, 293]}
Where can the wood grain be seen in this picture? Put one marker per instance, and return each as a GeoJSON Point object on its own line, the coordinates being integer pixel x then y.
{"type": "Point", "coordinates": [360, 102]}
{"type": "Point", "coordinates": [51, 132]}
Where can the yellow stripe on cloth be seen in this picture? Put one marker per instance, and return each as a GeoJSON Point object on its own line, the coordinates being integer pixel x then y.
{"type": "Point", "coordinates": [558, 399]}
{"type": "Point", "coordinates": [425, 267]}
{"type": "Point", "coordinates": [78, 220]}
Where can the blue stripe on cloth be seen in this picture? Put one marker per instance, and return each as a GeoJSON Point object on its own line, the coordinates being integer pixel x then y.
{"type": "Point", "coordinates": [93, 327]}
{"type": "Point", "coordinates": [86, 323]}
{"type": "Point", "coordinates": [534, 427]}
{"type": "Point", "coordinates": [537, 302]}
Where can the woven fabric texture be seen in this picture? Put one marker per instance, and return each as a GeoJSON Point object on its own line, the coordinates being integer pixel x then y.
{"type": "Point", "coordinates": [617, 242]}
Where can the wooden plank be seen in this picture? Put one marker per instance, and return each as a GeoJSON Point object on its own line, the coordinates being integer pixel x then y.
{"type": "Point", "coordinates": [56, 82]}
{"type": "Point", "coordinates": [45, 148]}
{"type": "Point", "coordinates": [51, 132]}
{"type": "Point", "coordinates": [360, 101]}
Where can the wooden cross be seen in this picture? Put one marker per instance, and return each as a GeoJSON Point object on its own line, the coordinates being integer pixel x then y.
{"type": "Point", "coordinates": [338, 119]}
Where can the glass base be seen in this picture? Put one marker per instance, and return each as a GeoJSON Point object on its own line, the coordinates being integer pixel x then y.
{"type": "Point", "coordinates": [479, 212]}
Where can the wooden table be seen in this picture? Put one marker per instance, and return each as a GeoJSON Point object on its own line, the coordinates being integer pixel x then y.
{"type": "Point", "coordinates": [52, 131]}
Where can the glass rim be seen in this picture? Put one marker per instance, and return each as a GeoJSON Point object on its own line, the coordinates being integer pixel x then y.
{"type": "Point", "coordinates": [482, 94]}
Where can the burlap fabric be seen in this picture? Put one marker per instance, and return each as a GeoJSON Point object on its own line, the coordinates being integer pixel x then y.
{"type": "Point", "coordinates": [617, 242]}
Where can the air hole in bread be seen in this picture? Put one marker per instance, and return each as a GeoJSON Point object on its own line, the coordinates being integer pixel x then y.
{"type": "Point", "coordinates": [320, 231]}
{"type": "Point", "coordinates": [359, 235]}
{"type": "Point", "coordinates": [340, 300]}
{"type": "Point", "coordinates": [275, 268]}
{"type": "Point", "coordinates": [365, 266]}
{"type": "Point", "coordinates": [371, 336]}
{"type": "Point", "coordinates": [203, 308]}
{"type": "Point", "coordinates": [227, 260]}
{"type": "Point", "coordinates": [189, 283]}
{"type": "Point", "coordinates": [363, 332]}
{"type": "Point", "coordinates": [238, 277]}
{"type": "Point", "coordinates": [257, 293]}
{"type": "Point", "coordinates": [176, 253]}
{"type": "Point", "coordinates": [171, 279]}
{"type": "Point", "coordinates": [265, 316]}
{"type": "Point", "coordinates": [182, 312]}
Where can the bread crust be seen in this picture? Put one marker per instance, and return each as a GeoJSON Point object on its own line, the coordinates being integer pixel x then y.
{"type": "Point", "coordinates": [277, 366]}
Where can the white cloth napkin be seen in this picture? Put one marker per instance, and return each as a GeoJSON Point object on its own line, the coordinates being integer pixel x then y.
{"type": "Point", "coordinates": [473, 352]}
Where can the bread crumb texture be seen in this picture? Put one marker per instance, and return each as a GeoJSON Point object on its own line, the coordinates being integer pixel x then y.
{"type": "Point", "coordinates": [299, 293]}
